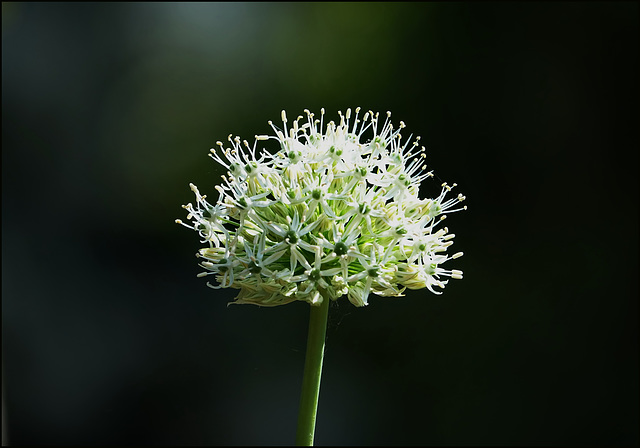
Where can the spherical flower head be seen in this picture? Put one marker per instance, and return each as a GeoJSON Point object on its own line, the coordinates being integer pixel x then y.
{"type": "Point", "coordinates": [334, 212]}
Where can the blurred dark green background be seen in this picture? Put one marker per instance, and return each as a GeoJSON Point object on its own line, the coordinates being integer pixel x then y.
{"type": "Point", "coordinates": [108, 112]}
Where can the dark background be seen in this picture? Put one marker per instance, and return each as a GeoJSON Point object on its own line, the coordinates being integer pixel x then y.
{"type": "Point", "coordinates": [108, 112]}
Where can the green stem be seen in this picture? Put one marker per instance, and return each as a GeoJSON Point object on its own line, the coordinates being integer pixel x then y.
{"type": "Point", "coordinates": [312, 373]}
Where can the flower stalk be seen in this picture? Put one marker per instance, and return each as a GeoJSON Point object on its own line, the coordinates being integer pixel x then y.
{"type": "Point", "coordinates": [312, 373]}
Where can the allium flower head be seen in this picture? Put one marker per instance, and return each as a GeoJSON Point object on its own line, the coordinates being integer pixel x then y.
{"type": "Point", "coordinates": [332, 213]}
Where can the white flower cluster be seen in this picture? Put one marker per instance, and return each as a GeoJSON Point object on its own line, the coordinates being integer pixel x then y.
{"type": "Point", "coordinates": [327, 215]}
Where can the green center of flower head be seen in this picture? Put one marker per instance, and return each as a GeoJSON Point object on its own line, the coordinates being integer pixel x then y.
{"type": "Point", "coordinates": [294, 156]}
{"type": "Point", "coordinates": [355, 179]}
{"type": "Point", "coordinates": [251, 167]}
{"type": "Point", "coordinates": [291, 237]}
{"type": "Point", "coordinates": [433, 209]}
{"type": "Point", "coordinates": [340, 249]}
{"type": "Point", "coordinates": [234, 168]}
{"type": "Point", "coordinates": [254, 268]}
{"type": "Point", "coordinates": [379, 141]}
{"type": "Point", "coordinates": [315, 275]}
{"type": "Point", "coordinates": [335, 151]}
{"type": "Point", "coordinates": [403, 180]}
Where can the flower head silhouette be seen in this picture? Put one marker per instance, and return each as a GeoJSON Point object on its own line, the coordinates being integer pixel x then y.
{"type": "Point", "coordinates": [332, 213]}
